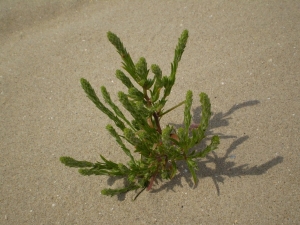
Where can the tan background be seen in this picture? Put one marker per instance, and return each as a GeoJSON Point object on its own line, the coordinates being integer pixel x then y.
{"type": "Point", "coordinates": [243, 54]}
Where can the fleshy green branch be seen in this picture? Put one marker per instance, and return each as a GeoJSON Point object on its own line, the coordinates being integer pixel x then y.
{"type": "Point", "coordinates": [93, 97]}
{"type": "Point", "coordinates": [108, 100]}
{"type": "Point", "coordinates": [68, 161]}
{"type": "Point", "coordinates": [128, 64]}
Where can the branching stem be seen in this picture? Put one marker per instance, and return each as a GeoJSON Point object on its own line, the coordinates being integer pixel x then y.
{"type": "Point", "coordinates": [155, 115]}
{"type": "Point", "coordinates": [169, 110]}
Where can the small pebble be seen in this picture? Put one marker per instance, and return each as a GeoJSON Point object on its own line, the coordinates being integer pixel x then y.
{"type": "Point", "coordinates": [232, 156]}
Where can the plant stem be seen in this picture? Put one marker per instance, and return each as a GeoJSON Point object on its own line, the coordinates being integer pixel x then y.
{"type": "Point", "coordinates": [169, 110]}
{"type": "Point", "coordinates": [157, 122]}
{"type": "Point", "coordinates": [149, 103]}
{"type": "Point", "coordinates": [155, 115]}
{"type": "Point", "coordinates": [138, 194]}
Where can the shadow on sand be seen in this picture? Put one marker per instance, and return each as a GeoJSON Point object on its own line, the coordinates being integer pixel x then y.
{"type": "Point", "coordinates": [223, 165]}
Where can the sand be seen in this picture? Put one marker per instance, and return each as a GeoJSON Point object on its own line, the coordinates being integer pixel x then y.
{"type": "Point", "coordinates": [243, 54]}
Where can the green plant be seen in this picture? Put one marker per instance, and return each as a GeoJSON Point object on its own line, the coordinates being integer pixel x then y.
{"type": "Point", "coordinates": [159, 148]}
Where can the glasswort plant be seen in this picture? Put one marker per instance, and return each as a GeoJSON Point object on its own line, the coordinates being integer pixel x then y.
{"type": "Point", "coordinates": [159, 148]}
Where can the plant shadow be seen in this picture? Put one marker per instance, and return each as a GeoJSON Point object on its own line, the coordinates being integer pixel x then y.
{"type": "Point", "coordinates": [223, 165]}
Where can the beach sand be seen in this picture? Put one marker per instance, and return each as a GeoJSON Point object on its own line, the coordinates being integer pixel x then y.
{"type": "Point", "coordinates": [243, 54]}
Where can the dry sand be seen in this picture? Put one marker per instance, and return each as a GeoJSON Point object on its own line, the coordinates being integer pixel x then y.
{"type": "Point", "coordinates": [243, 54]}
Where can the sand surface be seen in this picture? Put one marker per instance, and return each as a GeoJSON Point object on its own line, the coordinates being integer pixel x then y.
{"type": "Point", "coordinates": [244, 54]}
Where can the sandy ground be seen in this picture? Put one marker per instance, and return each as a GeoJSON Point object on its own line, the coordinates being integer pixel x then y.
{"type": "Point", "coordinates": [243, 54]}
